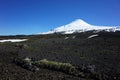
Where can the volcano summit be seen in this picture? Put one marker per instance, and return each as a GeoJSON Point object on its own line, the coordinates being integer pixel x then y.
{"type": "Point", "coordinates": [79, 25]}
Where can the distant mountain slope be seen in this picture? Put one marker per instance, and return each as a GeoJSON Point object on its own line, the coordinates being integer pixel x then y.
{"type": "Point", "coordinates": [81, 26]}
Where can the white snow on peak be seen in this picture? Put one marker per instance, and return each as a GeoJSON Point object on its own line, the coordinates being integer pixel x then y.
{"type": "Point", "coordinates": [93, 36]}
{"type": "Point", "coordinates": [75, 25]}
{"type": "Point", "coordinates": [13, 40]}
{"type": "Point", "coordinates": [79, 22]}
{"type": "Point", "coordinates": [81, 26]}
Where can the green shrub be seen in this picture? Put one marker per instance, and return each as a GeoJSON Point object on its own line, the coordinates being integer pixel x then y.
{"type": "Point", "coordinates": [53, 65]}
{"type": "Point", "coordinates": [65, 67]}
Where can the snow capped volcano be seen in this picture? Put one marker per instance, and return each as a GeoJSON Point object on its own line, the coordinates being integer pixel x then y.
{"type": "Point", "coordinates": [81, 26]}
{"type": "Point", "coordinates": [75, 25]}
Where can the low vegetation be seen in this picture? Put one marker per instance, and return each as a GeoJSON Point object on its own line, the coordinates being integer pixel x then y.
{"type": "Point", "coordinates": [44, 63]}
{"type": "Point", "coordinates": [87, 72]}
{"type": "Point", "coordinates": [65, 67]}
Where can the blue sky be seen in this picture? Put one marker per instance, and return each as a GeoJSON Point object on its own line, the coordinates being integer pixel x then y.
{"type": "Point", "coordinates": [35, 16]}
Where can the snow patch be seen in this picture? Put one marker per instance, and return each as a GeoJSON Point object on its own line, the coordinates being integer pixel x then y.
{"type": "Point", "coordinates": [27, 59]}
{"type": "Point", "coordinates": [13, 40]}
{"type": "Point", "coordinates": [66, 37]}
{"type": "Point", "coordinates": [93, 36]}
{"type": "Point", "coordinates": [73, 37]}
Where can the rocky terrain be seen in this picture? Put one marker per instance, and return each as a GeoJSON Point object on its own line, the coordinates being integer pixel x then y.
{"type": "Point", "coordinates": [94, 56]}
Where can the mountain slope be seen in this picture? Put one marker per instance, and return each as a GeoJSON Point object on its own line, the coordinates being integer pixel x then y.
{"type": "Point", "coordinates": [99, 54]}
{"type": "Point", "coordinates": [81, 26]}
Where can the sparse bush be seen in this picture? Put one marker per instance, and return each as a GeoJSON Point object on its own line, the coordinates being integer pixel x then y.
{"type": "Point", "coordinates": [25, 63]}
{"type": "Point", "coordinates": [65, 67]}
{"type": "Point", "coordinates": [59, 66]}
